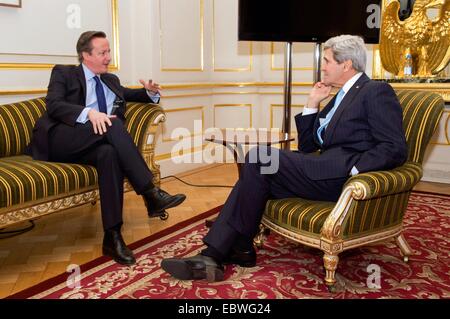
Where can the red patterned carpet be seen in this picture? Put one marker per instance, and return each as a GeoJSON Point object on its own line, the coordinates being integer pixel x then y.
{"type": "Point", "coordinates": [284, 270]}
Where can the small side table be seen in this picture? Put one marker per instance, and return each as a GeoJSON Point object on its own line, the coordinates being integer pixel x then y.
{"type": "Point", "coordinates": [235, 139]}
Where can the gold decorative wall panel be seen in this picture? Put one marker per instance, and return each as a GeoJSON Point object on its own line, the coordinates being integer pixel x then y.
{"type": "Point", "coordinates": [30, 61]}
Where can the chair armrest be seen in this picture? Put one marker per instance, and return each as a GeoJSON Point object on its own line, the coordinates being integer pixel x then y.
{"type": "Point", "coordinates": [142, 120]}
{"type": "Point", "coordinates": [366, 186]}
{"type": "Point", "coordinates": [382, 183]}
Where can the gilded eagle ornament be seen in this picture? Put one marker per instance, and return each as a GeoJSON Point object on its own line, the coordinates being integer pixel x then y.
{"type": "Point", "coordinates": [427, 40]}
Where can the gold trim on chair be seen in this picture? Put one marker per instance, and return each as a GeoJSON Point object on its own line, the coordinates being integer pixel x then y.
{"type": "Point", "coordinates": [143, 120]}
{"type": "Point", "coordinates": [44, 207]}
{"type": "Point", "coordinates": [148, 148]}
{"type": "Point", "coordinates": [371, 205]}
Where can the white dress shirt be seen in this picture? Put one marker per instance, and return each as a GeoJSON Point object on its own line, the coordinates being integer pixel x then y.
{"type": "Point", "coordinates": [91, 96]}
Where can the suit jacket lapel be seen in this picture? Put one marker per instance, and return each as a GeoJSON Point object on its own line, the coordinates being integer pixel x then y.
{"type": "Point", "coordinates": [111, 85]}
{"type": "Point", "coordinates": [82, 78]}
{"type": "Point", "coordinates": [348, 99]}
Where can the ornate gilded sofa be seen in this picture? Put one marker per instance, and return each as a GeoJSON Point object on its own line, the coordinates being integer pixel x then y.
{"type": "Point", "coordinates": [30, 189]}
{"type": "Point", "coordinates": [371, 206]}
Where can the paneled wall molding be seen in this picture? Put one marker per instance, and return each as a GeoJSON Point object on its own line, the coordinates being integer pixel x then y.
{"type": "Point", "coordinates": [183, 109]}
{"type": "Point", "coordinates": [185, 42]}
{"type": "Point", "coordinates": [280, 106]}
{"type": "Point", "coordinates": [23, 92]}
{"type": "Point", "coordinates": [184, 86]}
{"type": "Point", "coordinates": [275, 68]}
{"type": "Point", "coordinates": [28, 65]}
{"type": "Point", "coordinates": [224, 36]}
{"type": "Point", "coordinates": [443, 89]}
{"type": "Point", "coordinates": [190, 47]}
{"type": "Point", "coordinates": [233, 105]}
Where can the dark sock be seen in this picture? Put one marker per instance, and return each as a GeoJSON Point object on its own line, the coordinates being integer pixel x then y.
{"type": "Point", "coordinates": [213, 253]}
{"type": "Point", "coordinates": [115, 227]}
{"type": "Point", "coordinates": [147, 188]}
{"type": "Point", "coordinates": [243, 243]}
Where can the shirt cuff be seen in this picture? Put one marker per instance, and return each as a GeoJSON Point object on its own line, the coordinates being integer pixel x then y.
{"type": "Point", "coordinates": [354, 171]}
{"type": "Point", "coordinates": [154, 97]}
{"type": "Point", "coordinates": [309, 111]}
{"type": "Point", "coordinates": [83, 117]}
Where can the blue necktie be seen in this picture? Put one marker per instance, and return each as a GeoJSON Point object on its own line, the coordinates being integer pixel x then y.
{"type": "Point", "coordinates": [330, 114]}
{"type": "Point", "coordinates": [101, 100]}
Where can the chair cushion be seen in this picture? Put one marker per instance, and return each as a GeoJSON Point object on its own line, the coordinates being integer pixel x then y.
{"type": "Point", "coordinates": [16, 125]}
{"type": "Point", "coordinates": [23, 179]}
{"type": "Point", "coordinates": [298, 215]}
{"type": "Point", "coordinates": [421, 113]}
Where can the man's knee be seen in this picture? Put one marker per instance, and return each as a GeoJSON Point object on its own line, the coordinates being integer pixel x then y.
{"type": "Point", "coordinates": [117, 127]}
{"type": "Point", "coordinates": [260, 154]}
{"type": "Point", "coordinates": [106, 152]}
{"type": "Point", "coordinates": [264, 157]}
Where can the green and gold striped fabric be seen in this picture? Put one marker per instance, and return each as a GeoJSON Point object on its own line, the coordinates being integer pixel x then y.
{"type": "Point", "coordinates": [17, 121]}
{"type": "Point", "coordinates": [138, 117]}
{"type": "Point", "coordinates": [421, 113]}
{"type": "Point", "coordinates": [23, 179]}
{"type": "Point", "coordinates": [382, 183]}
{"type": "Point", "coordinates": [299, 215]}
{"type": "Point", "coordinates": [369, 216]}
{"type": "Point", "coordinates": [16, 125]}
{"type": "Point", "coordinates": [387, 192]}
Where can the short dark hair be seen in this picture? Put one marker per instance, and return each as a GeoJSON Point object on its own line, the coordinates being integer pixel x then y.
{"type": "Point", "coordinates": [84, 43]}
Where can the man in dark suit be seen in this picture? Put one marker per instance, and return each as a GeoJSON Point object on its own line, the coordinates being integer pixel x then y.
{"type": "Point", "coordinates": [84, 123]}
{"type": "Point", "coordinates": [359, 130]}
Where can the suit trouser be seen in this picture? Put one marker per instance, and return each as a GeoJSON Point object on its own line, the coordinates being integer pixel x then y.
{"type": "Point", "coordinates": [243, 210]}
{"type": "Point", "coordinates": [113, 154]}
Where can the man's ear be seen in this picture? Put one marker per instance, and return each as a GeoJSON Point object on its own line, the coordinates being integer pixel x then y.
{"type": "Point", "coordinates": [348, 65]}
{"type": "Point", "coordinates": [85, 55]}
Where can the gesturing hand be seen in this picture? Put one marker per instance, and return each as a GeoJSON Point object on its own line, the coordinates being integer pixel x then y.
{"type": "Point", "coordinates": [99, 121]}
{"type": "Point", "coordinates": [151, 86]}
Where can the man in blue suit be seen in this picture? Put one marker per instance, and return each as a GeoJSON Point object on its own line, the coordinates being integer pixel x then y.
{"type": "Point", "coordinates": [359, 130]}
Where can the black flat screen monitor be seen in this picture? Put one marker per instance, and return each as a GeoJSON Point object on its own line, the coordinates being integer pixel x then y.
{"type": "Point", "coordinates": [308, 20]}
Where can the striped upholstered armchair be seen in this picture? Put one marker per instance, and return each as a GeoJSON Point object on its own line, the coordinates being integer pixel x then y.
{"type": "Point", "coordinates": [371, 206]}
{"type": "Point", "coordinates": [30, 189]}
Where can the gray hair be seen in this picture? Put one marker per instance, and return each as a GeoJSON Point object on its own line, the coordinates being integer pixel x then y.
{"type": "Point", "coordinates": [348, 47]}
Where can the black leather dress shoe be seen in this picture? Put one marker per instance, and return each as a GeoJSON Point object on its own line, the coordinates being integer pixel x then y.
{"type": "Point", "coordinates": [194, 268]}
{"type": "Point", "coordinates": [114, 247]}
{"type": "Point", "coordinates": [157, 201]}
{"type": "Point", "coordinates": [241, 258]}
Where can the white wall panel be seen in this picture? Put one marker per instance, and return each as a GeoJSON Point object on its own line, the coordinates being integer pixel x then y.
{"type": "Point", "coordinates": [49, 29]}
{"type": "Point", "coordinates": [233, 115]}
{"type": "Point", "coordinates": [187, 42]}
{"type": "Point", "coordinates": [229, 54]}
{"type": "Point", "coordinates": [276, 115]}
{"type": "Point", "coordinates": [189, 119]}
{"type": "Point", "coordinates": [181, 23]}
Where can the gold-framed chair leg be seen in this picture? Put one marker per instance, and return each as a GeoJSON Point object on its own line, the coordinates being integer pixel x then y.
{"type": "Point", "coordinates": [261, 236]}
{"type": "Point", "coordinates": [330, 263]}
{"type": "Point", "coordinates": [404, 247]}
